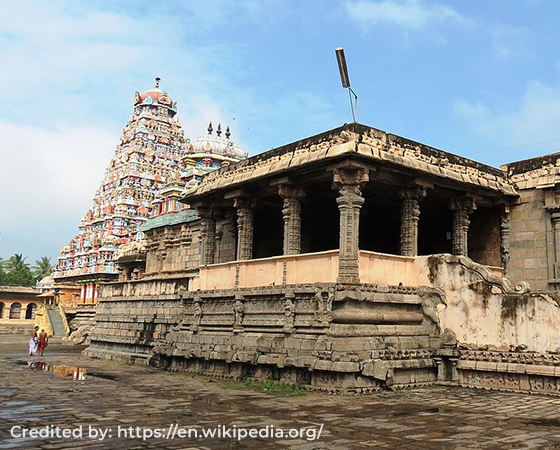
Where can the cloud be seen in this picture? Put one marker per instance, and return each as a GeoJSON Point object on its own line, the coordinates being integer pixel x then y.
{"type": "Point", "coordinates": [70, 71]}
{"type": "Point", "coordinates": [509, 41]}
{"type": "Point", "coordinates": [409, 15]}
{"type": "Point", "coordinates": [48, 183]}
{"type": "Point", "coordinates": [535, 118]}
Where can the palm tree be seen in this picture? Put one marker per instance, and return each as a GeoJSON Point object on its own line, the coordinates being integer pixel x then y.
{"type": "Point", "coordinates": [42, 268]}
{"type": "Point", "coordinates": [17, 262]}
{"type": "Point", "coordinates": [18, 272]}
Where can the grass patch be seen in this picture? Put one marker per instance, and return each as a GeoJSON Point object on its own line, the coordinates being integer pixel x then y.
{"type": "Point", "coordinates": [266, 387]}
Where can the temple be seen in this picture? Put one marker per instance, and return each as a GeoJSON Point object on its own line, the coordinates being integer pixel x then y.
{"type": "Point", "coordinates": [140, 190]}
{"type": "Point", "coordinates": [146, 157]}
{"type": "Point", "coordinates": [354, 259]}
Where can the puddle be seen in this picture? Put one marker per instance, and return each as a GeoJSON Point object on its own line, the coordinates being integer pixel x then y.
{"type": "Point", "coordinates": [64, 371]}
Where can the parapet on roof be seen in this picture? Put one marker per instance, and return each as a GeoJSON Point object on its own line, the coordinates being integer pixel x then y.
{"type": "Point", "coordinates": [540, 172]}
{"type": "Point", "coordinates": [364, 142]}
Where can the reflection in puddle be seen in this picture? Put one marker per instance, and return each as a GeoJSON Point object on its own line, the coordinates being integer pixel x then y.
{"type": "Point", "coordinates": [64, 371]}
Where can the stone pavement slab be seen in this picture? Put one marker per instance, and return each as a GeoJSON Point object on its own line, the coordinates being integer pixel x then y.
{"type": "Point", "coordinates": [434, 418]}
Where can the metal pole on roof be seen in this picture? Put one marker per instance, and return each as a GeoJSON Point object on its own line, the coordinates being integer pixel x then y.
{"type": "Point", "coordinates": [345, 79]}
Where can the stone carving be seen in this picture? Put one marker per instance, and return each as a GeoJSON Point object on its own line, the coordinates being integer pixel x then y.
{"type": "Point", "coordinates": [504, 238]}
{"type": "Point", "coordinates": [429, 309]}
{"type": "Point", "coordinates": [410, 214]}
{"type": "Point", "coordinates": [462, 209]}
{"type": "Point", "coordinates": [323, 308]}
{"type": "Point", "coordinates": [245, 214]}
{"type": "Point", "coordinates": [289, 313]}
{"type": "Point", "coordinates": [197, 314]}
{"type": "Point", "coordinates": [291, 213]}
{"type": "Point", "coordinates": [349, 185]}
{"type": "Point", "coordinates": [484, 273]}
{"type": "Point", "coordinates": [207, 234]}
{"type": "Point", "coordinates": [239, 312]}
{"type": "Point", "coordinates": [182, 317]}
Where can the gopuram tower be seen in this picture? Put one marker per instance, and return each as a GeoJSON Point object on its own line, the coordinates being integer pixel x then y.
{"type": "Point", "coordinates": [147, 157]}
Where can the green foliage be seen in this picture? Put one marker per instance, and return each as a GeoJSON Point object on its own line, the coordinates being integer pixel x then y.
{"type": "Point", "coordinates": [2, 272]}
{"type": "Point", "coordinates": [16, 272]}
{"type": "Point", "coordinates": [42, 268]}
{"type": "Point", "coordinates": [267, 387]}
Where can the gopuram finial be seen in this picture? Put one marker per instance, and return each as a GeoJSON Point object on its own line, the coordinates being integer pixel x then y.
{"type": "Point", "coordinates": [228, 134]}
{"type": "Point", "coordinates": [210, 128]}
{"type": "Point", "coordinates": [158, 79]}
{"type": "Point", "coordinates": [219, 130]}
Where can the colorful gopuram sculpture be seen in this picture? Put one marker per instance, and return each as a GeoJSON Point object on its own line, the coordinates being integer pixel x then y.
{"type": "Point", "coordinates": [147, 157]}
{"type": "Point", "coordinates": [208, 153]}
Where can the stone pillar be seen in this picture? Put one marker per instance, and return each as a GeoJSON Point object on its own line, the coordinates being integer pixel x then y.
{"type": "Point", "coordinates": [349, 183]}
{"type": "Point", "coordinates": [410, 215]}
{"type": "Point", "coordinates": [291, 212]}
{"type": "Point", "coordinates": [207, 235]}
{"type": "Point", "coordinates": [245, 215]}
{"type": "Point", "coordinates": [462, 208]}
{"type": "Point", "coordinates": [504, 239]}
{"type": "Point", "coordinates": [555, 218]}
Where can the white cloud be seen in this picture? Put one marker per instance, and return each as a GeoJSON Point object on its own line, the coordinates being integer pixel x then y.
{"type": "Point", "coordinates": [70, 70]}
{"type": "Point", "coordinates": [409, 15]}
{"type": "Point", "coordinates": [47, 180]}
{"type": "Point", "coordinates": [534, 119]}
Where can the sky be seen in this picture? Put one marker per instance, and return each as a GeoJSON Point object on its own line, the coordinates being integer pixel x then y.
{"type": "Point", "coordinates": [479, 79]}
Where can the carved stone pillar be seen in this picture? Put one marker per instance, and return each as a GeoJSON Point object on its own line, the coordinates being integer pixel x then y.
{"type": "Point", "coordinates": [410, 215]}
{"type": "Point", "coordinates": [504, 239]}
{"type": "Point", "coordinates": [555, 218]}
{"type": "Point", "coordinates": [462, 209]}
{"type": "Point", "coordinates": [245, 215]}
{"type": "Point", "coordinates": [291, 212]}
{"type": "Point", "coordinates": [349, 183]}
{"type": "Point", "coordinates": [207, 234]}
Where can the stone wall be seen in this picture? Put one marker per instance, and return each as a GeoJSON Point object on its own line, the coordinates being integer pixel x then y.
{"type": "Point", "coordinates": [173, 248]}
{"type": "Point", "coordinates": [341, 336]}
{"type": "Point", "coordinates": [323, 336]}
{"type": "Point", "coordinates": [176, 248]}
{"type": "Point", "coordinates": [484, 245]}
{"type": "Point", "coordinates": [531, 240]}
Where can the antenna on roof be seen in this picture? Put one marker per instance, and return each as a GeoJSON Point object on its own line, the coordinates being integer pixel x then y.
{"type": "Point", "coordinates": [345, 79]}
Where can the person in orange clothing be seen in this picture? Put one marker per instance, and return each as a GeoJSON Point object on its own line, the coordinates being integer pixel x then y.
{"type": "Point", "coordinates": [43, 341]}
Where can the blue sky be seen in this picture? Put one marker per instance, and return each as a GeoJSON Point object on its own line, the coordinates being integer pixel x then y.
{"type": "Point", "coordinates": [466, 77]}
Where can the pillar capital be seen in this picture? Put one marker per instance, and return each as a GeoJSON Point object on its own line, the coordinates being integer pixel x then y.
{"type": "Point", "coordinates": [350, 176]}
{"type": "Point", "coordinates": [464, 204]}
{"type": "Point", "coordinates": [244, 202]}
{"type": "Point", "coordinates": [286, 190]}
{"type": "Point", "coordinates": [413, 192]}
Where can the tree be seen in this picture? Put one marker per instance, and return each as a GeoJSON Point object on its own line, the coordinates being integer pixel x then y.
{"type": "Point", "coordinates": [2, 272]}
{"type": "Point", "coordinates": [42, 268]}
{"type": "Point", "coordinates": [18, 272]}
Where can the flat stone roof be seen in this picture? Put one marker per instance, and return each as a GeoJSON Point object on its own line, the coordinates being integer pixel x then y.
{"type": "Point", "coordinates": [540, 172]}
{"type": "Point", "coordinates": [365, 142]}
{"type": "Point", "coordinates": [18, 290]}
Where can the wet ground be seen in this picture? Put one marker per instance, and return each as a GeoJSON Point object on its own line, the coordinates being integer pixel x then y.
{"type": "Point", "coordinates": [67, 391]}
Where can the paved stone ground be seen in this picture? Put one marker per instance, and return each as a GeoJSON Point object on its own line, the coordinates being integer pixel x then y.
{"type": "Point", "coordinates": [432, 418]}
